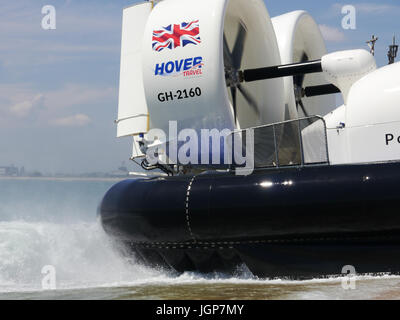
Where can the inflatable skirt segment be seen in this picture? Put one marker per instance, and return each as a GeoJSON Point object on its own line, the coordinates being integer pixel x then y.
{"type": "Point", "coordinates": [296, 223]}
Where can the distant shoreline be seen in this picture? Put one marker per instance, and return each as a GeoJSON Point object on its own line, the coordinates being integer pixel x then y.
{"type": "Point", "coordinates": [67, 178]}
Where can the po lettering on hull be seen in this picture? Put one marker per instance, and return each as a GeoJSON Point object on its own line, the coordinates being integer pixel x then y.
{"type": "Point", "coordinates": [391, 139]}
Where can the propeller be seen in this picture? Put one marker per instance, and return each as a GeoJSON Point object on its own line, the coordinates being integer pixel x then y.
{"type": "Point", "coordinates": [232, 61]}
{"type": "Point", "coordinates": [238, 49]}
{"type": "Point", "coordinates": [234, 76]}
{"type": "Point", "coordinates": [298, 81]}
{"type": "Point", "coordinates": [249, 99]}
{"type": "Point", "coordinates": [228, 61]}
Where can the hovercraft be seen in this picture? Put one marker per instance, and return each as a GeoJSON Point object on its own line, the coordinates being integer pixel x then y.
{"type": "Point", "coordinates": [317, 189]}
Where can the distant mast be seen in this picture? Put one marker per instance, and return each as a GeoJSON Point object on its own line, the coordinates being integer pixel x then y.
{"type": "Point", "coordinates": [393, 49]}
{"type": "Point", "coordinates": [371, 44]}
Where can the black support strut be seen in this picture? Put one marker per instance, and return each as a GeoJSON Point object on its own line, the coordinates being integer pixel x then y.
{"type": "Point", "coordinates": [281, 71]}
{"type": "Point", "coordinates": [320, 90]}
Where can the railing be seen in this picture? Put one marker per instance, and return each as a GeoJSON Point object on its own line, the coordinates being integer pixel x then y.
{"type": "Point", "coordinates": [299, 142]}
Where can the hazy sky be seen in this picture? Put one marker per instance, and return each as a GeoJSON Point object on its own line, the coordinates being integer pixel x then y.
{"type": "Point", "coordinates": [58, 88]}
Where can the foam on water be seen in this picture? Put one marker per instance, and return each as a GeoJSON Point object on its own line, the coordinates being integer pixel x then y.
{"type": "Point", "coordinates": [82, 255]}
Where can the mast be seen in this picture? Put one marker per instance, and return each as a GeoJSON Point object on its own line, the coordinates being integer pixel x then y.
{"type": "Point", "coordinates": [393, 49]}
{"type": "Point", "coordinates": [371, 44]}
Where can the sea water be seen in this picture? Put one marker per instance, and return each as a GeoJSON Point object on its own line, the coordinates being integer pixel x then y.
{"type": "Point", "coordinates": [53, 222]}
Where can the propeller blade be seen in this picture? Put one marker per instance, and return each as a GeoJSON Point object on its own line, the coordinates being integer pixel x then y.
{"type": "Point", "coordinates": [303, 108]}
{"type": "Point", "coordinates": [228, 60]}
{"type": "Point", "coordinates": [249, 99]}
{"type": "Point", "coordinates": [234, 105]}
{"type": "Point", "coordinates": [298, 80]}
{"type": "Point", "coordinates": [237, 52]}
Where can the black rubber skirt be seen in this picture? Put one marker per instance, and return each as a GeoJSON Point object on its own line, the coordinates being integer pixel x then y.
{"type": "Point", "coordinates": [293, 222]}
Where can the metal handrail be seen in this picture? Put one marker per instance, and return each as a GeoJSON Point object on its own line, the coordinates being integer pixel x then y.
{"type": "Point", "coordinates": [280, 123]}
{"type": "Point", "coordinates": [301, 145]}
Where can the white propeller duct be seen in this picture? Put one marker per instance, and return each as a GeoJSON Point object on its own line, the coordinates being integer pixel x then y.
{"type": "Point", "coordinates": [191, 52]}
{"type": "Point", "coordinates": [300, 40]}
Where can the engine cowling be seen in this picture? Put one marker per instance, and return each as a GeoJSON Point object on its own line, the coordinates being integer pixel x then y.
{"type": "Point", "coordinates": [366, 128]}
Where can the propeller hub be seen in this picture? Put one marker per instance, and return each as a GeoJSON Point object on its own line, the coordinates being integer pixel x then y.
{"type": "Point", "coordinates": [233, 77]}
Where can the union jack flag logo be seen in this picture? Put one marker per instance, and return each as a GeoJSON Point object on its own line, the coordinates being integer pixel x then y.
{"type": "Point", "coordinates": [176, 35]}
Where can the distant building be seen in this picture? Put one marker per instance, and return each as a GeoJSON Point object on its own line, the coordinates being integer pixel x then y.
{"type": "Point", "coordinates": [9, 171]}
{"type": "Point", "coordinates": [123, 168]}
{"type": "Point", "coordinates": [121, 172]}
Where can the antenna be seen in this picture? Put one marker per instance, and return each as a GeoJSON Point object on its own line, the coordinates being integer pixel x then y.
{"type": "Point", "coordinates": [371, 44]}
{"type": "Point", "coordinates": [393, 49]}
